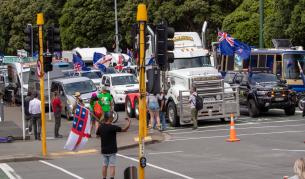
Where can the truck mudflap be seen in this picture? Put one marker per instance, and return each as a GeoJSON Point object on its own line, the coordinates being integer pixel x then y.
{"type": "Point", "coordinates": [225, 102]}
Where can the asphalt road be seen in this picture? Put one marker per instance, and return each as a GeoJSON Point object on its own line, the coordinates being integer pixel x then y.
{"type": "Point", "coordinates": [268, 148]}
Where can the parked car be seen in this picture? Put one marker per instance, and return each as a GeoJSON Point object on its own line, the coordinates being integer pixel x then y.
{"type": "Point", "coordinates": [67, 88]}
{"type": "Point", "coordinates": [261, 91]}
{"type": "Point", "coordinates": [119, 85]}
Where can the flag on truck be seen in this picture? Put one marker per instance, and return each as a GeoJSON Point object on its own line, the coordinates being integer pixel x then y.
{"type": "Point", "coordinates": [78, 62]}
{"type": "Point", "coordinates": [101, 61]}
{"type": "Point", "coordinates": [230, 46]}
{"type": "Point", "coordinates": [80, 131]}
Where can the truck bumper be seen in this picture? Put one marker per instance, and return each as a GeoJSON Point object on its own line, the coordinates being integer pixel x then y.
{"type": "Point", "coordinates": [270, 103]}
{"type": "Point", "coordinates": [119, 98]}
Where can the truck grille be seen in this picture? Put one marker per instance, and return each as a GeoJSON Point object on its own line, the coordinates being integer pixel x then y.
{"type": "Point", "coordinates": [209, 88]}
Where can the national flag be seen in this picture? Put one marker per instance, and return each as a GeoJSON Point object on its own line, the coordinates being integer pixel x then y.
{"type": "Point", "coordinates": [80, 131]}
{"type": "Point", "coordinates": [119, 65]}
{"type": "Point", "coordinates": [151, 61]}
{"type": "Point", "coordinates": [129, 52]}
{"type": "Point", "coordinates": [78, 62]}
{"type": "Point", "coordinates": [101, 61]}
{"type": "Point", "coordinates": [228, 46]}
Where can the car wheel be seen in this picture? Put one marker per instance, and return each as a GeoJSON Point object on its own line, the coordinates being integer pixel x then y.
{"type": "Point", "coordinates": [290, 111]}
{"type": "Point", "coordinates": [115, 117]}
{"type": "Point", "coordinates": [252, 108]}
{"type": "Point", "coordinates": [128, 108]}
{"type": "Point", "coordinates": [136, 108]}
{"type": "Point", "coordinates": [172, 114]}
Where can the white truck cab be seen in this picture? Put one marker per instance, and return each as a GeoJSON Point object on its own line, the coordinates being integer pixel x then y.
{"type": "Point", "coordinates": [119, 85]}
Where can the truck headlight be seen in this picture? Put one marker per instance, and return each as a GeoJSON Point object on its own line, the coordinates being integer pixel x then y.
{"type": "Point", "coordinates": [119, 92]}
{"type": "Point", "coordinates": [262, 93]}
{"type": "Point", "coordinates": [218, 97]}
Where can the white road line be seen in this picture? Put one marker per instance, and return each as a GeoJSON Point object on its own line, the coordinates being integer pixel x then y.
{"type": "Point", "coordinates": [253, 134]}
{"type": "Point", "coordinates": [289, 150]}
{"type": "Point", "coordinates": [158, 153]}
{"type": "Point", "coordinates": [9, 171]}
{"type": "Point", "coordinates": [61, 169]}
{"type": "Point", "coordinates": [259, 127]}
{"type": "Point", "coordinates": [157, 167]}
{"type": "Point", "coordinates": [242, 124]}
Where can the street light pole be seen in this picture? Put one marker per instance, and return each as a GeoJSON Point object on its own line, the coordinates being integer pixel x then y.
{"type": "Point", "coordinates": [261, 24]}
{"type": "Point", "coordinates": [116, 28]}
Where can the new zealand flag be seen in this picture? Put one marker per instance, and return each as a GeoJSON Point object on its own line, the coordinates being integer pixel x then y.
{"type": "Point", "coordinates": [80, 129]}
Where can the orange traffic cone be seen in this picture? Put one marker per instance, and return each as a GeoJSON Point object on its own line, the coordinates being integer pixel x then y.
{"type": "Point", "coordinates": [233, 137]}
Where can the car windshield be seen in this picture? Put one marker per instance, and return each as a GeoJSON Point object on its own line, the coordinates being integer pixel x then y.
{"type": "Point", "coordinates": [110, 70]}
{"type": "Point", "coordinates": [263, 78]}
{"type": "Point", "coordinates": [92, 74]}
{"type": "Point", "coordinates": [291, 68]}
{"type": "Point", "coordinates": [181, 63]}
{"type": "Point", "coordinates": [124, 80]}
{"type": "Point", "coordinates": [79, 86]}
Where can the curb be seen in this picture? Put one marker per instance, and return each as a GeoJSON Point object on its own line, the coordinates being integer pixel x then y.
{"type": "Point", "coordinates": [27, 157]}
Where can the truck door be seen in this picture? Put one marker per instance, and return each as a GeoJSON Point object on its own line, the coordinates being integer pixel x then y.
{"type": "Point", "coordinates": [243, 90]}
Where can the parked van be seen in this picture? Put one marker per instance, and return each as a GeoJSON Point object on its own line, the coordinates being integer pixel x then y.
{"type": "Point", "coordinates": [66, 88]}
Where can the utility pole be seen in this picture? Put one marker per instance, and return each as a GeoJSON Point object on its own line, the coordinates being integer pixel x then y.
{"type": "Point", "coordinates": [116, 28]}
{"type": "Point", "coordinates": [40, 23]}
{"type": "Point", "coordinates": [261, 23]}
{"type": "Point", "coordinates": [142, 19]}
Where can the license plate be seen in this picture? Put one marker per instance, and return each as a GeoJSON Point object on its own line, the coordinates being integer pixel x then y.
{"type": "Point", "coordinates": [208, 99]}
{"type": "Point", "coordinates": [279, 99]}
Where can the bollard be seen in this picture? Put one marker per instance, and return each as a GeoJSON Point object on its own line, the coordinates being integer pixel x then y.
{"type": "Point", "coordinates": [130, 173]}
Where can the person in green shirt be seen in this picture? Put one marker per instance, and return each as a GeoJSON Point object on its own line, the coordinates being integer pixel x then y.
{"type": "Point", "coordinates": [105, 100]}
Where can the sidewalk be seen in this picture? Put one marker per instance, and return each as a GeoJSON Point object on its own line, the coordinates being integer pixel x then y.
{"type": "Point", "coordinates": [31, 149]}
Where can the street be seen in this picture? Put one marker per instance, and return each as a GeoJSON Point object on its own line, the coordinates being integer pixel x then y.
{"type": "Point", "coordinates": [268, 148]}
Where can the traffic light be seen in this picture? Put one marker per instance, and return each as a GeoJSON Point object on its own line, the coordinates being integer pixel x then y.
{"type": "Point", "coordinates": [53, 39]}
{"type": "Point", "coordinates": [164, 45]}
{"type": "Point", "coordinates": [28, 39]}
{"type": "Point", "coordinates": [47, 62]}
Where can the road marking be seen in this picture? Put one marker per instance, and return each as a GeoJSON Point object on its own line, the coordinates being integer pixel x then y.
{"type": "Point", "coordinates": [9, 171]}
{"type": "Point", "coordinates": [158, 153]}
{"type": "Point", "coordinates": [289, 150]}
{"type": "Point", "coordinates": [88, 151]}
{"type": "Point", "coordinates": [156, 167]}
{"type": "Point", "coordinates": [253, 134]}
{"type": "Point", "coordinates": [242, 124]}
{"type": "Point", "coordinates": [259, 127]}
{"type": "Point", "coordinates": [61, 169]}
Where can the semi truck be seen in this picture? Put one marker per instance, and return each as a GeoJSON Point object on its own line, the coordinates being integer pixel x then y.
{"type": "Point", "coordinates": [191, 67]}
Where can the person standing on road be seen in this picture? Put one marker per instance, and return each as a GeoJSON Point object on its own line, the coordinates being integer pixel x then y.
{"type": "Point", "coordinates": [56, 106]}
{"type": "Point", "coordinates": [35, 111]}
{"type": "Point", "coordinates": [299, 169]}
{"type": "Point", "coordinates": [107, 132]}
{"type": "Point", "coordinates": [154, 108]}
{"type": "Point", "coordinates": [28, 116]}
{"type": "Point", "coordinates": [94, 118]}
{"type": "Point", "coordinates": [194, 112]}
{"type": "Point", "coordinates": [105, 100]}
{"type": "Point", "coordinates": [162, 103]}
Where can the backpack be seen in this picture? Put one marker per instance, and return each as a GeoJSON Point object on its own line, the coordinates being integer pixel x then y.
{"type": "Point", "coordinates": [97, 109]}
{"type": "Point", "coordinates": [199, 102]}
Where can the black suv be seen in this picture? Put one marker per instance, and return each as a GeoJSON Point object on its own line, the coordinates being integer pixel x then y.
{"type": "Point", "coordinates": [261, 91]}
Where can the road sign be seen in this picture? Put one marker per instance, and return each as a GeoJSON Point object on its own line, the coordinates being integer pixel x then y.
{"type": "Point", "coordinates": [15, 59]}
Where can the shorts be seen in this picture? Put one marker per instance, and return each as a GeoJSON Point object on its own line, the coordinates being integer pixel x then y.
{"type": "Point", "coordinates": [153, 106]}
{"type": "Point", "coordinates": [107, 114]}
{"type": "Point", "coordinates": [109, 159]}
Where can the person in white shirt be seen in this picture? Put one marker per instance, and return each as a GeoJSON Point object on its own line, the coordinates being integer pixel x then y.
{"type": "Point", "coordinates": [35, 111]}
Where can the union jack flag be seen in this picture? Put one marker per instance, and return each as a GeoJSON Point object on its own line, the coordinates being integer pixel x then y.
{"type": "Point", "coordinates": [225, 36]}
{"type": "Point", "coordinates": [80, 131]}
{"type": "Point", "coordinates": [77, 67]}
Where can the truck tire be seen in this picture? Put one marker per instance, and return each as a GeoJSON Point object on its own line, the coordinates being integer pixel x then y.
{"type": "Point", "coordinates": [136, 108]}
{"type": "Point", "coordinates": [252, 108]}
{"type": "Point", "coordinates": [172, 114]}
{"type": "Point", "coordinates": [128, 108]}
{"type": "Point", "coordinates": [290, 110]}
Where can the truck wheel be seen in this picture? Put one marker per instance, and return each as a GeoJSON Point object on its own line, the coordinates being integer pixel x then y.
{"type": "Point", "coordinates": [301, 102]}
{"type": "Point", "coordinates": [136, 108]}
{"type": "Point", "coordinates": [290, 110]}
{"type": "Point", "coordinates": [128, 107]}
{"type": "Point", "coordinates": [172, 114]}
{"type": "Point", "coordinates": [252, 108]}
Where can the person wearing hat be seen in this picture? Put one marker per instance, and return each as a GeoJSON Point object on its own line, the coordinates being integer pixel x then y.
{"type": "Point", "coordinates": [78, 100]}
{"type": "Point", "coordinates": [105, 100]}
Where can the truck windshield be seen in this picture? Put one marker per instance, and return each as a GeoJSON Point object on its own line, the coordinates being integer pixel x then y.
{"type": "Point", "coordinates": [262, 78]}
{"type": "Point", "coordinates": [79, 86]}
{"type": "Point", "coordinates": [124, 80]}
{"type": "Point", "coordinates": [181, 63]}
{"type": "Point", "coordinates": [291, 69]}
{"type": "Point", "coordinates": [92, 75]}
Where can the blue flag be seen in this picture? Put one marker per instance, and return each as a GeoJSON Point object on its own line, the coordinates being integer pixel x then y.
{"type": "Point", "coordinates": [97, 61]}
{"type": "Point", "coordinates": [79, 64]}
{"type": "Point", "coordinates": [228, 46]}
